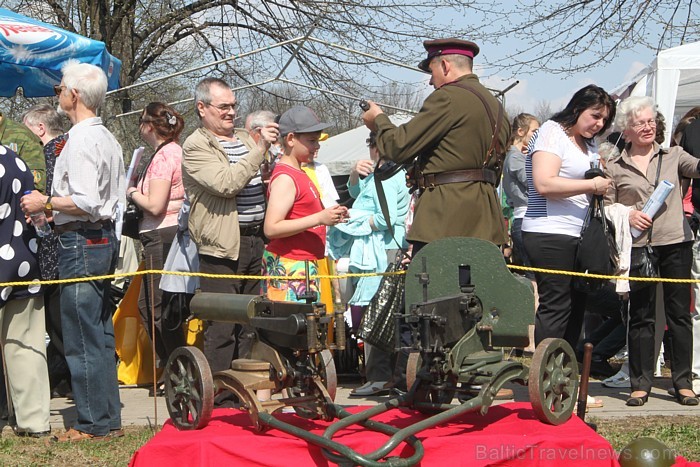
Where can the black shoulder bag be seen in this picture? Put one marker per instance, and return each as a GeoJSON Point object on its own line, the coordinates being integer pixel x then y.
{"type": "Point", "coordinates": [597, 250]}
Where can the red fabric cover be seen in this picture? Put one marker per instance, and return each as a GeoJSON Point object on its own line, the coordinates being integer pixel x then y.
{"type": "Point", "coordinates": [311, 243]}
{"type": "Point", "coordinates": [508, 434]}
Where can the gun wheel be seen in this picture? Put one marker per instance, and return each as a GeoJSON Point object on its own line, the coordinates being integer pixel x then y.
{"type": "Point", "coordinates": [189, 389]}
{"type": "Point", "coordinates": [553, 381]}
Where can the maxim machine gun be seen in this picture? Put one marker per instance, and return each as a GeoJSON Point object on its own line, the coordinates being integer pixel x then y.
{"type": "Point", "coordinates": [463, 306]}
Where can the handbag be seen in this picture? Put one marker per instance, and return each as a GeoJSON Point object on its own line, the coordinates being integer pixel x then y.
{"type": "Point", "coordinates": [378, 326]}
{"type": "Point", "coordinates": [133, 214]}
{"type": "Point", "coordinates": [597, 250]}
{"type": "Point", "coordinates": [130, 223]}
{"type": "Point", "coordinates": [644, 261]}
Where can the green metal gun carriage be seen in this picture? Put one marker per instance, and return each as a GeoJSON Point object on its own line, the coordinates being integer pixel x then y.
{"type": "Point", "coordinates": [463, 307]}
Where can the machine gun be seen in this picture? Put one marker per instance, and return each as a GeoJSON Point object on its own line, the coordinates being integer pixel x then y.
{"type": "Point", "coordinates": [290, 354]}
{"type": "Point", "coordinates": [467, 307]}
{"type": "Point", "coordinates": [464, 307]}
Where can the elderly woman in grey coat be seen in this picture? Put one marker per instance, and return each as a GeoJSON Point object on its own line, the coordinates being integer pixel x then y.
{"type": "Point", "coordinates": [635, 173]}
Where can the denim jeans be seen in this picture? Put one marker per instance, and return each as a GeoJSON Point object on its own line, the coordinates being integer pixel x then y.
{"type": "Point", "coordinates": [88, 333]}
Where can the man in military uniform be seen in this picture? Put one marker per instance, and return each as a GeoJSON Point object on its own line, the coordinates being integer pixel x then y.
{"type": "Point", "coordinates": [458, 156]}
{"type": "Point", "coordinates": [452, 136]}
{"type": "Point", "coordinates": [25, 143]}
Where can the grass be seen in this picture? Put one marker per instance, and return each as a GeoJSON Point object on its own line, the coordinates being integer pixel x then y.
{"type": "Point", "coordinates": [15, 451]}
{"type": "Point", "coordinates": [680, 433]}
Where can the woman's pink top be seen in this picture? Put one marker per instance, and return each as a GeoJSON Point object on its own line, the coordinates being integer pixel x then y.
{"type": "Point", "coordinates": [166, 165]}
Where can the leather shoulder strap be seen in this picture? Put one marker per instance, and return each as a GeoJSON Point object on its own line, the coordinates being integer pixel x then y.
{"type": "Point", "coordinates": [495, 147]}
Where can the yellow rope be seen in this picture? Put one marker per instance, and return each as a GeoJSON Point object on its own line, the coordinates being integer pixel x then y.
{"type": "Point", "coordinates": [326, 276]}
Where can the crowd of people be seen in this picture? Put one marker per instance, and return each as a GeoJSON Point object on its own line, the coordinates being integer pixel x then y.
{"type": "Point", "coordinates": [254, 201]}
{"type": "Point", "coordinates": [558, 158]}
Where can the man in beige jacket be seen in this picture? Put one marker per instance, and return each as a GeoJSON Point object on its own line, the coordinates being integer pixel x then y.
{"type": "Point", "coordinates": [221, 173]}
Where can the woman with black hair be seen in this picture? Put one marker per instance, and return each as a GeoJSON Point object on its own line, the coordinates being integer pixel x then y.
{"type": "Point", "coordinates": [558, 198]}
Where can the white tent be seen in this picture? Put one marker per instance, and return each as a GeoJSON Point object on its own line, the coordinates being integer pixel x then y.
{"type": "Point", "coordinates": [340, 152]}
{"type": "Point", "coordinates": [672, 79]}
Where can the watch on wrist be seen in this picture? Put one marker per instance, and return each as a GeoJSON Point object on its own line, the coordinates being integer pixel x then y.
{"type": "Point", "coordinates": [48, 206]}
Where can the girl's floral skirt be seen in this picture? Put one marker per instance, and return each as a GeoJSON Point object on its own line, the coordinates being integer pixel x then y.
{"type": "Point", "coordinates": [284, 290]}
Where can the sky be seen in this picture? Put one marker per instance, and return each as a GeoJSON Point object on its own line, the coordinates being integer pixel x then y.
{"type": "Point", "coordinates": [555, 89]}
{"type": "Point", "coordinates": [532, 89]}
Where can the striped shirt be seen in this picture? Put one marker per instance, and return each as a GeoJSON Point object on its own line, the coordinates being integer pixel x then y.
{"type": "Point", "coordinates": [251, 199]}
{"type": "Point", "coordinates": [563, 216]}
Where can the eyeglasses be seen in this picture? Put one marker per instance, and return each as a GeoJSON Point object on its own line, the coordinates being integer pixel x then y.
{"type": "Point", "coordinates": [640, 125]}
{"type": "Point", "coordinates": [223, 107]}
{"type": "Point", "coordinates": [58, 89]}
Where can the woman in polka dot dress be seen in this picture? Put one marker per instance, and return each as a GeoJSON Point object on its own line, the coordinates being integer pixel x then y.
{"type": "Point", "coordinates": [22, 326]}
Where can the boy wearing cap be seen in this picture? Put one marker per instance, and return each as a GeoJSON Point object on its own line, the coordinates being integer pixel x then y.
{"type": "Point", "coordinates": [295, 220]}
{"type": "Point", "coordinates": [452, 135]}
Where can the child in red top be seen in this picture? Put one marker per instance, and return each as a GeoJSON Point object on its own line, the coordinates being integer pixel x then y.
{"type": "Point", "coordinates": [295, 219]}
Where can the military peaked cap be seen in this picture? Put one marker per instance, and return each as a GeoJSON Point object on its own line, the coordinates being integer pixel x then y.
{"type": "Point", "coordinates": [449, 46]}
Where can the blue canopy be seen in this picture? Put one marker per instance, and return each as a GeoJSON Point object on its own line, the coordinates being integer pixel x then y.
{"type": "Point", "coordinates": [32, 54]}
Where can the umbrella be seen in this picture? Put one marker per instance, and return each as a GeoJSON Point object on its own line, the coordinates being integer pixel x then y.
{"type": "Point", "coordinates": [32, 54]}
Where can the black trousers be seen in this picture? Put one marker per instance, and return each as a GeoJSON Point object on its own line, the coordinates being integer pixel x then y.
{"type": "Point", "coordinates": [561, 309]}
{"type": "Point", "coordinates": [674, 262]}
{"type": "Point", "coordinates": [224, 342]}
{"type": "Point", "coordinates": [156, 245]}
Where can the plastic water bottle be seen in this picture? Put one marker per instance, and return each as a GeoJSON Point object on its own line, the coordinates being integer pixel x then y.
{"type": "Point", "coordinates": [40, 222]}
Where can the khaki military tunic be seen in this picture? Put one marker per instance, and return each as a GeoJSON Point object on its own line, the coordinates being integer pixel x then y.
{"type": "Point", "coordinates": [27, 145]}
{"type": "Point", "coordinates": [452, 132]}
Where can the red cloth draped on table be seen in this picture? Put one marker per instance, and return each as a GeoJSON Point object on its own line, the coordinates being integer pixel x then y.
{"type": "Point", "coordinates": [509, 434]}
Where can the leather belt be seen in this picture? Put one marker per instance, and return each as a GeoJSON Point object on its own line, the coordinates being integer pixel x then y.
{"type": "Point", "coordinates": [80, 225]}
{"type": "Point", "coordinates": [251, 230]}
{"type": "Point", "coordinates": [457, 176]}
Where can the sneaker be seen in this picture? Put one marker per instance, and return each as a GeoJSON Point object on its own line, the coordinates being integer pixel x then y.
{"type": "Point", "coordinates": [619, 380]}
{"type": "Point", "coordinates": [372, 388]}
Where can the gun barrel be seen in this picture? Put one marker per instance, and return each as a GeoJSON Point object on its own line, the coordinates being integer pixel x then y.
{"type": "Point", "coordinates": [230, 308]}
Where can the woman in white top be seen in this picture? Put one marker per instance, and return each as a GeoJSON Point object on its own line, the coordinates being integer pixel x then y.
{"type": "Point", "coordinates": [558, 197]}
